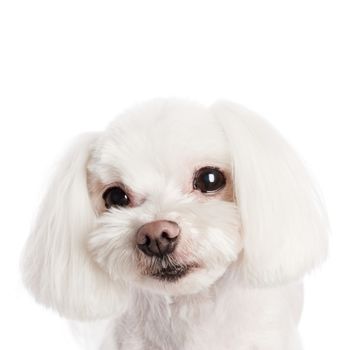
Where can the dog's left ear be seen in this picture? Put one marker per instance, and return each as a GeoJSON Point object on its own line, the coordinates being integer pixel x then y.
{"type": "Point", "coordinates": [284, 225]}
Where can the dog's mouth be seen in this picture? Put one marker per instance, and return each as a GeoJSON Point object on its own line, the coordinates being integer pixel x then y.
{"type": "Point", "coordinates": [172, 273]}
{"type": "Point", "coordinates": [168, 270]}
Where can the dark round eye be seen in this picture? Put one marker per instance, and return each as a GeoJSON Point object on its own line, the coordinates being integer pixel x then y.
{"type": "Point", "coordinates": [208, 180]}
{"type": "Point", "coordinates": [115, 197]}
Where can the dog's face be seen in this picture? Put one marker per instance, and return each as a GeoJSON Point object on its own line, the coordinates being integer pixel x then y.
{"type": "Point", "coordinates": [169, 198]}
{"type": "Point", "coordinates": [162, 189]}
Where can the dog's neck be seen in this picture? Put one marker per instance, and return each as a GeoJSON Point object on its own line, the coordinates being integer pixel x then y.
{"type": "Point", "coordinates": [219, 312]}
{"type": "Point", "coordinates": [173, 318]}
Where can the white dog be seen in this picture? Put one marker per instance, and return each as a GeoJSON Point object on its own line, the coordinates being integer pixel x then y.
{"type": "Point", "coordinates": [183, 228]}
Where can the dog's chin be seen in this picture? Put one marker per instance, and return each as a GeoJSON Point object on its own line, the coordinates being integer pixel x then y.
{"type": "Point", "coordinates": [174, 272]}
{"type": "Point", "coordinates": [166, 269]}
{"type": "Point", "coordinates": [170, 277]}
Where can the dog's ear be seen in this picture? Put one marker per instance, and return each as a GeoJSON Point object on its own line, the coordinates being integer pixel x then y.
{"type": "Point", "coordinates": [55, 264]}
{"type": "Point", "coordinates": [284, 225]}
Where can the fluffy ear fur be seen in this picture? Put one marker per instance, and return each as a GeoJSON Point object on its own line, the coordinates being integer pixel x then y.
{"type": "Point", "coordinates": [284, 225]}
{"type": "Point", "coordinates": [55, 265]}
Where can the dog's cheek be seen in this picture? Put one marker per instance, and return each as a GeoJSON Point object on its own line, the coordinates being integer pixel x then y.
{"type": "Point", "coordinates": [219, 249]}
{"type": "Point", "coordinates": [226, 237]}
{"type": "Point", "coordinates": [216, 242]}
{"type": "Point", "coordinates": [113, 252]}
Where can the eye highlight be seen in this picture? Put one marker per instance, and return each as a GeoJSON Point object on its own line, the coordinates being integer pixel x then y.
{"type": "Point", "coordinates": [209, 180]}
{"type": "Point", "coordinates": [115, 197]}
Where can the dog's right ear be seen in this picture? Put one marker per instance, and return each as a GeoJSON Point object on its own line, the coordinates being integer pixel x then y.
{"type": "Point", "coordinates": [56, 267]}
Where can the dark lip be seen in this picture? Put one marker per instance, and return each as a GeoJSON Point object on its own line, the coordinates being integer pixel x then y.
{"type": "Point", "coordinates": [172, 273]}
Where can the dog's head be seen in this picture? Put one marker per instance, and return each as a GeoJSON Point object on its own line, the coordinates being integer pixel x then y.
{"type": "Point", "coordinates": [169, 198]}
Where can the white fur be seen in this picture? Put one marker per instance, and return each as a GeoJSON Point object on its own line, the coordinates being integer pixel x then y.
{"type": "Point", "coordinates": [249, 248]}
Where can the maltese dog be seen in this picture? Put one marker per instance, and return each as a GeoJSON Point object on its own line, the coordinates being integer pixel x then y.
{"type": "Point", "coordinates": [179, 227]}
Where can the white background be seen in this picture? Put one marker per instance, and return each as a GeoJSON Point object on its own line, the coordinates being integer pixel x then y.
{"type": "Point", "coordinates": [71, 66]}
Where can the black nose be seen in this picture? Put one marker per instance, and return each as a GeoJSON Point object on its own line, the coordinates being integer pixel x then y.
{"type": "Point", "coordinates": [158, 238]}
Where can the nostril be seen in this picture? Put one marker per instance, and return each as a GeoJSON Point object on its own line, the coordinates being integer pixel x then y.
{"type": "Point", "coordinates": [165, 235]}
{"type": "Point", "coordinates": [143, 239]}
{"type": "Point", "coordinates": [168, 236]}
{"type": "Point", "coordinates": [147, 240]}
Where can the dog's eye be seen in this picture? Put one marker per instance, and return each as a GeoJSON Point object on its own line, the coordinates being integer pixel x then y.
{"type": "Point", "coordinates": [115, 197]}
{"type": "Point", "coordinates": [208, 180]}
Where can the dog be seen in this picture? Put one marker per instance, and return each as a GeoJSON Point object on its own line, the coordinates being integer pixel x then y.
{"type": "Point", "coordinates": [179, 227]}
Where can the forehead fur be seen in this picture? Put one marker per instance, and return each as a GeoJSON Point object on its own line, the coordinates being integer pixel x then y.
{"type": "Point", "coordinates": [162, 138]}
